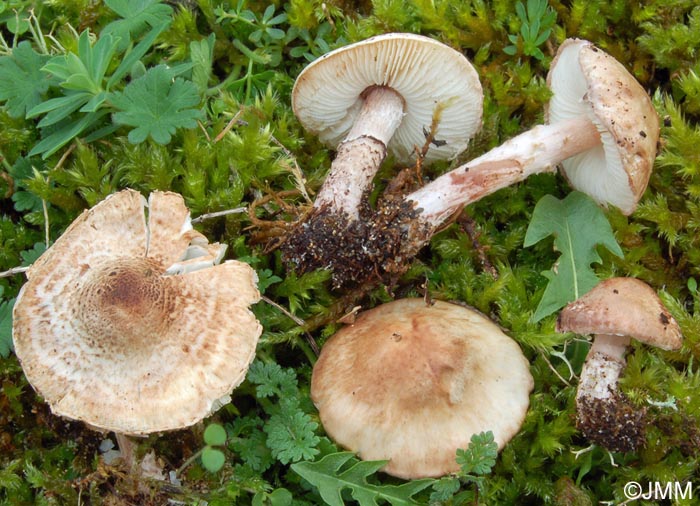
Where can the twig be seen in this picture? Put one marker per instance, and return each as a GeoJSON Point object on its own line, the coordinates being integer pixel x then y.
{"type": "Point", "coordinates": [208, 216]}
{"type": "Point", "coordinates": [298, 321]}
{"type": "Point", "coordinates": [549, 364]}
{"type": "Point", "coordinates": [228, 126]}
{"type": "Point", "coordinates": [13, 271]}
{"type": "Point", "coordinates": [295, 170]}
{"type": "Point", "coordinates": [469, 226]}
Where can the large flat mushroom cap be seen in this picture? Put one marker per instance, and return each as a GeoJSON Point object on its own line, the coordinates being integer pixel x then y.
{"type": "Point", "coordinates": [587, 81]}
{"type": "Point", "coordinates": [622, 307]}
{"type": "Point", "coordinates": [411, 384]}
{"type": "Point", "coordinates": [107, 336]}
{"type": "Point", "coordinates": [429, 75]}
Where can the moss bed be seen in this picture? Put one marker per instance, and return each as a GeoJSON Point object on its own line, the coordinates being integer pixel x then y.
{"type": "Point", "coordinates": [232, 142]}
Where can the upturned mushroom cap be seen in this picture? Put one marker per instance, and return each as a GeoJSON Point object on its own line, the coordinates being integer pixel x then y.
{"type": "Point", "coordinates": [586, 81]}
{"type": "Point", "coordinates": [412, 383]}
{"type": "Point", "coordinates": [108, 337]}
{"type": "Point", "coordinates": [428, 75]}
{"type": "Point", "coordinates": [622, 307]}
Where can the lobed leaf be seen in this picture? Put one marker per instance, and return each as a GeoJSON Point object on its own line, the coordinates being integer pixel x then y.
{"type": "Point", "coordinates": [578, 226]}
{"type": "Point", "coordinates": [326, 475]}
{"type": "Point", "coordinates": [156, 106]}
{"type": "Point", "coordinates": [22, 84]}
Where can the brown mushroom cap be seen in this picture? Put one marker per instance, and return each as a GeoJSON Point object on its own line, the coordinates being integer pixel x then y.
{"type": "Point", "coordinates": [588, 82]}
{"type": "Point", "coordinates": [412, 383]}
{"type": "Point", "coordinates": [622, 307]}
{"type": "Point", "coordinates": [429, 75]}
{"type": "Point", "coordinates": [108, 337]}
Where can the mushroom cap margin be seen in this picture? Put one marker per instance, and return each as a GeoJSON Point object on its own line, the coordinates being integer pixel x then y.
{"type": "Point", "coordinates": [426, 73]}
{"type": "Point", "coordinates": [587, 81]}
{"type": "Point", "coordinates": [622, 307]}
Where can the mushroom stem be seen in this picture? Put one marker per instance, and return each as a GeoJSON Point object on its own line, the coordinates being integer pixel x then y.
{"type": "Point", "coordinates": [537, 150]}
{"type": "Point", "coordinates": [361, 153]}
{"type": "Point", "coordinates": [602, 368]}
{"type": "Point", "coordinates": [127, 449]}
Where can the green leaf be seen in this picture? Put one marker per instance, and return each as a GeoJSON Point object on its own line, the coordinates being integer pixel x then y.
{"type": "Point", "coordinates": [578, 226]}
{"type": "Point", "coordinates": [291, 435]}
{"type": "Point", "coordinates": [66, 133]}
{"type": "Point", "coordinates": [22, 84]}
{"type": "Point", "coordinates": [157, 106]}
{"type": "Point", "coordinates": [134, 56]}
{"type": "Point", "coordinates": [271, 379]}
{"type": "Point", "coordinates": [137, 16]}
{"type": "Point", "coordinates": [6, 327]}
{"type": "Point", "coordinates": [327, 476]}
{"type": "Point", "coordinates": [212, 459]}
{"type": "Point", "coordinates": [215, 435]}
{"type": "Point", "coordinates": [202, 54]}
{"type": "Point", "coordinates": [480, 455]}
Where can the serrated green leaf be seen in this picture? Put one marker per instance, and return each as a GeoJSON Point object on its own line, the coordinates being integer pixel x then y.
{"type": "Point", "coordinates": [157, 106]}
{"type": "Point", "coordinates": [326, 475]}
{"type": "Point", "coordinates": [271, 379]}
{"type": "Point", "coordinates": [22, 84]}
{"type": "Point", "coordinates": [201, 54]}
{"type": "Point", "coordinates": [480, 455]}
{"type": "Point", "coordinates": [31, 255]}
{"type": "Point", "coordinates": [6, 327]}
{"type": "Point", "coordinates": [215, 435]}
{"type": "Point", "coordinates": [578, 226]}
{"type": "Point", "coordinates": [291, 436]}
{"type": "Point", "coordinates": [137, 16]}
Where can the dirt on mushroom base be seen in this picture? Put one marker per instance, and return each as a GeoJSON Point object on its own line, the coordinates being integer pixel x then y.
{"type": "Point", "coordinates": [613, 423]}
{"type": "Point", "coordinates": [378, 247]}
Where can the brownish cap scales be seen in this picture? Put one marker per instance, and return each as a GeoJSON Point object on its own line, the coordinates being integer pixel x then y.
{"type": "Point", "coordinates": [622, 307]}
{"type": "Point", "coordinates": [108, 337]}
{"type": "Point", "coordinates": [412, 383]}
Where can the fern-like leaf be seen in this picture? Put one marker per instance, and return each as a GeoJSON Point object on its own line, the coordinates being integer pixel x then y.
{"type": "Point", "coordinates": [331, 475]}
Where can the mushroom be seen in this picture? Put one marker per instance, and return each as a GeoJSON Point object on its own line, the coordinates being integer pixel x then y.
{"type": "Point", "coordinates": [615, 311]}
{"type": "Point", "coordinates": [411, 383]}
{"type": "Point", "coordinates": [111, 336]}
{"type": "Point", "coordinates": [602, 128]}
{"type": "Point", "coordinates": [380, 94]}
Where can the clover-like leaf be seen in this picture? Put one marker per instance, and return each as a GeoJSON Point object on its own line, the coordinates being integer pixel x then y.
{"type": "Point", "coordinates": [22, 84]}
{"type": "Point", "coordinates": [157, 105]}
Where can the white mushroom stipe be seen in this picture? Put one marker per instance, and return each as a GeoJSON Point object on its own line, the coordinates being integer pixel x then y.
{"type": "Point", "coordinates": [614, 312]}
{"type": "Point", "coordinates": [603, 129]}
{"type": "Point", "coordinates": [382, 94]}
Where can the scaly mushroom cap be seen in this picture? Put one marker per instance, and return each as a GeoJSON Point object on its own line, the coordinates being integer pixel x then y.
{"type": "Point", "coordinates": [588, 82]}
{"type": "Point", "coordinates": [412, 383]}
{"type": "Point", "coordinates": [428, 75]}
{"type": "Point", "coordinates": [622, 307]}
{"type": "Point", "coordinates": [108, 337]}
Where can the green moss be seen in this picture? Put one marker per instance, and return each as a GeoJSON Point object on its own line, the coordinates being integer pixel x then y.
{"type": "Point", "coordinates": [248, 145]}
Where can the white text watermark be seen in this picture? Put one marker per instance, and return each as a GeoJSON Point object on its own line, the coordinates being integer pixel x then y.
{"type": "Point", "coordinates": [657, 490]}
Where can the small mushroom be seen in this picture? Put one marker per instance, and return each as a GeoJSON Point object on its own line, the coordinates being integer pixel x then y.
{"type": "Point", "coordinates": [379, 94]}
{"type": "Point", "coordinates": [603, 129]}
{"type": "Point", "coordinates": [411, 383]}
{"type": "Point", "coordinates": [615, 311]}
{"type": "Point", "coordinates": [110, 333]}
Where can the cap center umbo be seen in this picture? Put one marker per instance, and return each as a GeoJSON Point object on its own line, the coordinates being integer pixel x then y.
{"type": "Point", "coordinates": [121, 305]}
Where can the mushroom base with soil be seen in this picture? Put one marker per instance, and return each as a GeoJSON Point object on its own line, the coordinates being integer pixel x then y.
{"type": "Point", "coordinates": [361, 251]}
{"type": "Point", "coordinates": [613, 423]}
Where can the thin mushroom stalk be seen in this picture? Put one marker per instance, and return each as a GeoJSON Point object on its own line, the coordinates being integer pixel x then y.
{"type": "Point", "coordinates": [615, 311]}
{"type": "Point", "coordinates": [602, 131]}
{"type": "Point", "coordinates": [535, 151]}
{"type": "Point", "coordinates": [361, 153]}
{"type": "Point", "coordinates": [367, 100]}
